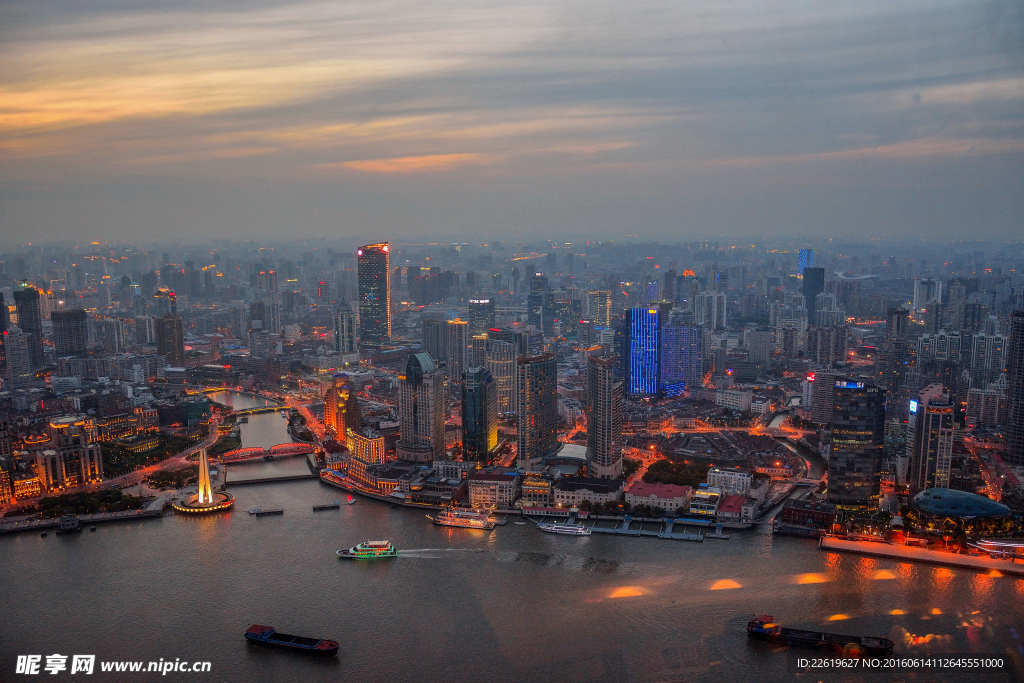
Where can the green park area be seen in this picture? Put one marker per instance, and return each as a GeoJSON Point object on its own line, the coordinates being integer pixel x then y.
{"type": "Point", "coordinates": [88, 503]}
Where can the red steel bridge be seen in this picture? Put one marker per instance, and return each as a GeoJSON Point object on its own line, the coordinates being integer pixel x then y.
{"type": "Point", "coordinates": [281, 450]}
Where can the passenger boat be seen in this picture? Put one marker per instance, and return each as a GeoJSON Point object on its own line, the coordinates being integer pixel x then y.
{"type": "Point", "coordinates": [765, 628]}
{"type": "Point", "coordinates": [568, 529]}
{"type": "Point", "coordinates": [370, 550]}
{"type": "Point", "coordinates": [351, 499]}
{"type": "Point", "coordinates": [267, 636]}
{"type": "Point", "coordinates": [467, 519]}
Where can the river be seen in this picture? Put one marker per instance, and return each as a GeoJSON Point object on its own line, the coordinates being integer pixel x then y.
{"type": "Point", "coordinates": [512, 604]}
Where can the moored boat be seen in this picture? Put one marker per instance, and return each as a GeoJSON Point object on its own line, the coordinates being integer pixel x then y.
{"type": "Point", "coordinates": [467, 519]}
{"type": "Point", "coordinates": [369, 550]}
{"type": "Point", "coordinates": [567, 529]}
{"type": "Point", "coordinates": [765, 628]}
{"type": "Point", "coordinates": [267, 636]}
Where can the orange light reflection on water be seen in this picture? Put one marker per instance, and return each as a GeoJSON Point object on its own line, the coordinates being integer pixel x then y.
{"type": "Point", "coordinates": [725, 584]}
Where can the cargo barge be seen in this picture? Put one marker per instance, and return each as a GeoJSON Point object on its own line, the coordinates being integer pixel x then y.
{"type": "Point", "coordinates": [267, 636]}
{"type": "Point", "coordinates": [765, 628]}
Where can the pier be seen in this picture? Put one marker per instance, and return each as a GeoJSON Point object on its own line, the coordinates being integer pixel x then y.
{"type": "Point", "coordinates": [907, 553]}
{"type": "Point", "coordinates": [97, 518]}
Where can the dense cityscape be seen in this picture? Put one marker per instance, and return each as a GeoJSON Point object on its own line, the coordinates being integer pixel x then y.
{"type": "Point", "coordinates": [699, 382]}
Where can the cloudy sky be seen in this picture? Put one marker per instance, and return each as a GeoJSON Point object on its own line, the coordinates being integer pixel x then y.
{"type": "Point", "coordinates": [677, 120]}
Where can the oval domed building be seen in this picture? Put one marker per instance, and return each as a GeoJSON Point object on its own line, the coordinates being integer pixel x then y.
{"type": "Point", "coordinates": [958, 504]}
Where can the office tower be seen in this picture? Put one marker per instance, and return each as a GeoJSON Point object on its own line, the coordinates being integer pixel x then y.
{"type": "Point", "coordinates": [538, 408]}
{"type": "Point", "coordinates": [644, 347]}
{"type": "Point", "coordinates": [165, 301]}
{"type": "Point", "coordinates": [805, 259]}
{"type": "Point", "coordinates": [266, 281]}
{"type": "Point", "coordinates": [18, 358]}
{"type": "Point", "coordinates": [813, 285]}
{"type": "Point", "coordinates": [145, 330]}
{"type": "Point", "coordinates": [681, 357]}
{"type": "Point", "coordinates": [477, 354]}
{"type": "Point", "coordinates": [1015, 392]}
{"type": "Point", "coordinates": [170, 339]}
{"type": "Point", "coordinates": [599, 307]}
{"type": "Point", "coordinates": [421, 410]}
{"type": "Point", "coordinates": [70, 332]}
{"type": "Point", "coordinates": [891, 361]}
{"type": "Point", "coordinates": [435, 338]}
{"type": "Point", "coordinates": [481, 315]}
{"type": "Point", "coordinates": [341, 408]}
{"type": "Point", "coordinates": [759, 347]}
{"type": "Point", "coordinates": [933, 439]}
{"type": "Point", "coordinates": [344, 329]}
{"type": "Point", "coordinates": [709, 310]}
{"type": "Point", "coordinates": [374, 294]}
{"type": "Point", "coordinates": [604, 418]}
{"type": "Point", "coordinates": [858, 430]}
{"type": "Point", "coordinates": [26, 300]}
{"type": "Point", "coordinates": [479, 415]}
{"type": "Point", "coordinates": [827, 345]}
{"type": "Point", "coordinates": [457, 348]}
{"type": "Point", "coordinates": [927, 292]}
{"type": "Point", "coordinates": [539, 311]}
{"type": "Point", "coordinates": [823, 395]}
{"type": "Point", "coordinates": [500, 360]}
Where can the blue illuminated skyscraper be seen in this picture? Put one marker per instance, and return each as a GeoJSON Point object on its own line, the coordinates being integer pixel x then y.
{"type": "Point", "coordinates": [805, 259]}
{"type": "Point", "coordinates": [644, 346]}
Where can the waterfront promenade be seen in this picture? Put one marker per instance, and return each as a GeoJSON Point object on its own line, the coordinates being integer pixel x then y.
{"type": "Point", "coordinates": [905, 552]}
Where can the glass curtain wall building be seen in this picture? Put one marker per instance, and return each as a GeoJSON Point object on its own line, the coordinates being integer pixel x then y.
{"type": "Point", "coordinates": [374, 293]}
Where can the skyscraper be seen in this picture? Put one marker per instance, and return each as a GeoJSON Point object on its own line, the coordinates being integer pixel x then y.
{"type": "Point", "coordinates": [374, 293]}
{"type": "Point", "coordinates": [538, 303]}
{"type": "Point", "coordinates": [709, 310]}
{"type": "Point", "coordinates": [435, 338]}
{"type": "Point", "coordinates": [421, 410]}
{"type": "Point", "coordinates": [481, 315]}
{"type": "Point", "coordinates": [341, 408]}
{"type": "Point", "coordinates": [267, 282]}
{"type": "Point", "coordinates": [344, 329]}
{"type": "Point", "coordinates": [644, 348]}
{"type": "Point", "coordinates": [26, 300]}
{"type": "Point", "coordinates": [170, 339]}
{"type": "Point", "coordinates": [538, 408]}
{"type": "Point", "coordinates": [600, 307]}
{"type": "Point", "coordinates": [500, 359]}
{"type": "Point", "coordinates": [604, 418]}
{"type": "Point", "coordinates": [1015, 391]}
{"type": "Point", "coordinates": [891, 362]}
{"type": "Point", "coordinates": [805, 259]}
{"type": "Point", "coordinates": [933, 440]}
{"type": "Point", "coordinates": [458, 347]}
{"type": "Point", "coordinates": [858, 430]}
{"type": "Point", "coordinates": [813, 285]}
{"type": "Point", "coordinates": [479, 415]}
{"type": "Point", "coordinates": [17, 358]}
{"type": "Point", "coordinates": [70, 332]}
{"type": "Point", "coordinates": [681, 357]}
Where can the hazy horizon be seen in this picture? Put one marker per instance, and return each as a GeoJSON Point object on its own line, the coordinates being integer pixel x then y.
{"type": "Point", "coordinates": [511, 120]}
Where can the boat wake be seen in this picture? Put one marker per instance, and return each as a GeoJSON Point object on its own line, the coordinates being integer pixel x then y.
{"type": "Point", "coordinates": [435, 553]}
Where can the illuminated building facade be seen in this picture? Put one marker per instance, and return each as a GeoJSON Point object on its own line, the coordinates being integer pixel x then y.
{"type": "Point", "coordinates": [933, 440]}
{"type": "Point", "coordinates": [858, 428]}
{"type": "Point", "coordinates": [421, 410]}
{"type": "Point", "coordinates": [500, 360]}
{"type": "Point", "coordinates": [457, 347]}
{"type": "Point", "coordinates": [644, 347]}
{"type": "Point", "coordinates": [479, 414]}
{"type": "Point", "coordinates": [374, 293]}
{"type": "Point", "coordinates": [600, 307]}
{"type": "Point", "coordinates": [341, 408]}
{"type": "Point", "coordinates": [804, 260]}
{"type": "Point", "coordinates": [481, 315]}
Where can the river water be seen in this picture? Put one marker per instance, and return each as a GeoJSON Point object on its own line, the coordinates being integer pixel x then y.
{"type": "Point", "coordinates": [512, 604]}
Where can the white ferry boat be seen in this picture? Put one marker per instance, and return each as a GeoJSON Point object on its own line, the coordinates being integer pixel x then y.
{"type": "Point", "coordinates": [567, 529]}
{"type": "Point", "coordinates": [468, 519]}
{"type": "Point", "coordinates": [370, 550]}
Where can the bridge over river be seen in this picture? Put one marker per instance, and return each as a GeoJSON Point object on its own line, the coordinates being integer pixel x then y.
{"type": "Point", "coordinates": [281, 450]}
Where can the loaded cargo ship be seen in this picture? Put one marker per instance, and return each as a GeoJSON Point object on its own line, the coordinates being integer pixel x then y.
{"type": "Point", "coordinates": [267, 636]}
{"type": "Point", "coordinates": [765, 628]}
{"type": "Point", "coordinates": [467, 519]}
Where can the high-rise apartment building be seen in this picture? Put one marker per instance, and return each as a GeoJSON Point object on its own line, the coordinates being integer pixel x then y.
{"type": "Point", "coordinates": [344, 329]}
{"type": "Point", "coordinates": [858, 430]}
{"type": "Point", "coordinates": [604, 418]}
{"type": "Point", "coordinates": [709, 310]}
{"type": "Point", "coordinates": [891, 361]}
{"type": "Point", "coordinates": [1015, 391]}
{"type": "Point", "coordinates": [17, 367]}
{"type": "Point", "coordinates": [435, 338]}
{"type": "Point", "coordinates": [170, 339]}
{"type": "Point", "coordinates": [26, 300]}
{"type": "Point", "coordinates": [681, 357]}
{"type": "Point", "coordinates": [538, 408]}
{"type": "Point", "coordinates": [932, 454]}
{"type": "Point", "coordinates": [599, 307]}
{"type": "Point", "coordinates": [374, 264]}
{"type": "Point", "coordinates": [479, 415]}
{"type": "Point", "coordinates": [421, 410]}
{"type": "Point", "coordinates": [823, 396]}
{"type": "Point", "coordinates": [70, 332]}
{"type": "Point", "coordinates": [759, 347]}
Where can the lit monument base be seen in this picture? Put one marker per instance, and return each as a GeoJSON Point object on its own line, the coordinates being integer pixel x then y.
{"type": "Point", "coordinates": [222, 500]}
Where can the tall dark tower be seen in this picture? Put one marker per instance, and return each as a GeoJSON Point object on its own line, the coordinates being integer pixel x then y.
{"type": "Point", "coordinates": [374, 294]}
{"type": "Point", "coordinates": [858, 428]}
{"type": "Point", "coordinates": [1015, 394]}
{"type": "Point", "coordinates": [70, 332]}
{"type": "Point", "coordinates": [538, 408]}
{"type": "Point", "coordinates": [479, 414]}
{"type": "Point", "coordinates": [26, 300]}
{"type": "Point", "coordinates": [604, 418]}
{"type": "Point", "coordinates": [814, 284]}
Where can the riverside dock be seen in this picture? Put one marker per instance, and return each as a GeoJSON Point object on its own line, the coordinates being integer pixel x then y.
{"type": "Point", "coordinates": [982, 562]}
{"type": "Point", "coordinates": [97, 518]}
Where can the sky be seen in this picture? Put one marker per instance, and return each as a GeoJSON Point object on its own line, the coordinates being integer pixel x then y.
{"type": "Point", "coordinates": [687, 119]}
